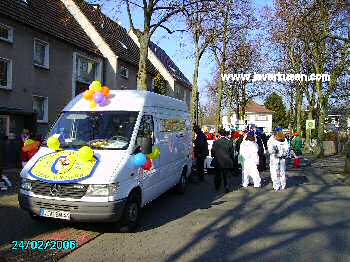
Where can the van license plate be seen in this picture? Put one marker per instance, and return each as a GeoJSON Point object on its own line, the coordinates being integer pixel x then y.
{"type": "Point", "coordinates": [55, 213]}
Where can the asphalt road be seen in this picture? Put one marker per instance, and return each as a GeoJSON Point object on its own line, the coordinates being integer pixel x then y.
{"type": "Point", "coordinates": [310, 221]}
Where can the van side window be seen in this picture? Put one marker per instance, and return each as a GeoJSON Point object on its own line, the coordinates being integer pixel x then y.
{"type": "Point", "coordinates": [146, 128]}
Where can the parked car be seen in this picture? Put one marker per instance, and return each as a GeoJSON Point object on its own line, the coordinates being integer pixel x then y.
{"type": "Point", "coordinates": [115, 189]}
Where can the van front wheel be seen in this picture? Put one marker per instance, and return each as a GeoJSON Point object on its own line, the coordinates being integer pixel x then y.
{"type": "Point", "coordinates": [131, 213]}
{"type": "Point", "coordinates": [181, 186]}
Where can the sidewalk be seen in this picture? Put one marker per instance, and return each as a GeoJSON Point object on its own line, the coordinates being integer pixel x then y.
{"type": "Point", "coordinates": [13, 176]}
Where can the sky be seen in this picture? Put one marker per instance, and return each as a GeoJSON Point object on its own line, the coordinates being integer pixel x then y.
{"type": "Point", "coordinates": [178, 45]}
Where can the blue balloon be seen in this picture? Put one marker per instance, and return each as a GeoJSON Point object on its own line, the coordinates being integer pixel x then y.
{"type": "Point", "coordinates": [140, 159]}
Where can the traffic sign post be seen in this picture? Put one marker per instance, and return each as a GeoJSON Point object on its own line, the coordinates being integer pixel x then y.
{"type": "Point", "coordinates": [310, 124]}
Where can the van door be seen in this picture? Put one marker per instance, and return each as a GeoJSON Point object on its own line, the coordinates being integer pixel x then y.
{"type": "Point", "coordinates": [150, 178]}
{"type": "Point", "coordinates": [169, 148]}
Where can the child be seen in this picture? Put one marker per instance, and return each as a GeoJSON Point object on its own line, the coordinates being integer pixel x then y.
{"type": "Point", "coordinates": [30, 148]}
{"type": "Point", "coordinates": [249, 156]}
{"type": "Point", "coordinates": [278, 150]}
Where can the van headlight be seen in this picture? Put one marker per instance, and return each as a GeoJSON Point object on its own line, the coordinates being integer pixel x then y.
{"type": "Point", "coordinates": [102, 190]}
{"type": "Point", "coordinates": [26, 184]}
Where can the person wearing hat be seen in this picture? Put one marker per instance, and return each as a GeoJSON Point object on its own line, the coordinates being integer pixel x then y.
{"type": "Point", "coordinates": [249, 160]}
{"type": "Point", "coordinates": [278, 150]}
{"type": "Point", "coordinates": [297, 144]}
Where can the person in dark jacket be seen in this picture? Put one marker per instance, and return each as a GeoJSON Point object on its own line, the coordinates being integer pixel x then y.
{"type": "Point", "coordinates": [262, 149]}
{"type": "Point", "coordinates": [200, 150]}
{"type": "Point", "coordinates": [223, 152]}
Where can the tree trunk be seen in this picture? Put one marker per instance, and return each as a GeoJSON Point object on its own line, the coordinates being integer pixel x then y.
{"type": "Point", "coordinates": [142, 73]}
{"type": "Point", "coordinates": [322, 115]}
{"type": "Point", "coordinates": [218, 111]}
{"type": "Point", "coordinates": [291, 111]}
{"type": "Point", "coordinates": [308, 137]}
{"type": "Point", "coordinates": [347, 159]}
{"type": "Point", "coordinates": [299, 108]}
{"type": "Point", "coordinates": [195, 87]}
{"type": "Point", "coordinates": [222, 69]}
{"type": "Point", "coordinates": [238, 108]}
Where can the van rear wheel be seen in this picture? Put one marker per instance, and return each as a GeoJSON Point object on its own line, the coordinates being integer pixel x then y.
{"type": "Point", "coordinates": [181, 186]}
{"type": "Point", "coordinates": [131, 213]}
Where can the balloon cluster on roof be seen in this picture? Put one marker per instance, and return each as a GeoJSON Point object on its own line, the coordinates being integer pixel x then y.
{"type": "Point", "coordinates": [97, 94]}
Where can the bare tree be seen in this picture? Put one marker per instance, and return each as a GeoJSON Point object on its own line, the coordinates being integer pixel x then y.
{"type": "Point", "coordinates": [232, 18]}
{"type": "Point", "coordinates": [198, 18]}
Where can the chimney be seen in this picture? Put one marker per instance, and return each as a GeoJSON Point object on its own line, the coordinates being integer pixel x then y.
{"type": "Point", "coordinates": [96, 6]}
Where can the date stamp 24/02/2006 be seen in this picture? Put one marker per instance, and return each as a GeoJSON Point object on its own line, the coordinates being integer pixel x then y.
{"type": "Point", "coordinates": [44, 245]}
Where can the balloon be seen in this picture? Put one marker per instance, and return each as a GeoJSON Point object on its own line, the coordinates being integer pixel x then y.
{"type": "Point", "coordinates": [92, 104]}
{"type": "Point", "coordinates": [28, 142]}
{"type": "Point", "coordinates": [148, 165]}
{"type": "Point", "coordinates": [103, 101]}
{"type": "Point", "coordinates": [53, 143]}
{"type": "Point", "coordinates": [296, 134]}
{"type": "Point", "coordinates": [98, 97]}
{"type": "Point", "coordinates": [155, 152]}
{"type": "Point", "coordinates": [89, 94]}
{"type": "Point", "coordinates": [96, 86]}
{"type": "Point", "coordinates": [140, 159]}
{"type": "Point", "coordinates": [85, 153]}
{"type": "Point", "coordinates": [149, 156]}
{"type": "Point", "coordinates": [105, 91]}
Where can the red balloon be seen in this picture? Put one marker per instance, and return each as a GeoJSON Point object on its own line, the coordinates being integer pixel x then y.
{"type": "Point", "coordinates": [148, 165]}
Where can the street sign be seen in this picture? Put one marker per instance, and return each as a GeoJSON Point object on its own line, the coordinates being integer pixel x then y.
{"type": "Point", "coordinates": [310, 124]}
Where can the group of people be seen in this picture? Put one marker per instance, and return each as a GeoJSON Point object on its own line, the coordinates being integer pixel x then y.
{"type": "Point", "coordinates": [243, 154]}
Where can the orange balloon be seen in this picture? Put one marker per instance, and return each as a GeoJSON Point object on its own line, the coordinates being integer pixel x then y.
{"type": "Point", "coordinates": [89, 95]}
{"type": "Point", "coordinates": [105, 90]}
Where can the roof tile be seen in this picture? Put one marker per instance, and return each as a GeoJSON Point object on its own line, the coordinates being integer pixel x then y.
{"type": "Point", "coordinates": [115, 35]}
{"type": "Point", "coordinates": [50, 17]}
{"type": "Point", "coordinates": [169, 64]}
{"type": "Point", "coordinates": [254, 107]}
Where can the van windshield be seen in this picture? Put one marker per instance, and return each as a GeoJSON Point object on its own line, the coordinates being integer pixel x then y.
{"type": "Point", "coordinates": [102, 130]}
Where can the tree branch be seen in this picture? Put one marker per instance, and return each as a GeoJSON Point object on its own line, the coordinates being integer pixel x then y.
{"type": "Point", "coordinates": [163, 20]}
{"type": "Point", "coordinates": [171, 31]}
{"type": "Point", "coordinates": [129, 15]}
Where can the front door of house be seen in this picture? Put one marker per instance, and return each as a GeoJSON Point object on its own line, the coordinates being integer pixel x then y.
{"type": "Point", "coordinates": [4, 125]}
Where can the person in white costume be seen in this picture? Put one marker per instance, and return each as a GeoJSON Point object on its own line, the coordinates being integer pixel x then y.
{"type": "Point", "coordinates": [278, 149]}
{"type": "Point", "coordinates": [249, 160]}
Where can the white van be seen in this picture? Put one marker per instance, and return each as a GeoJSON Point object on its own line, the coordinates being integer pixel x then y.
{"type": "Point", "coordinates": [115, 189]}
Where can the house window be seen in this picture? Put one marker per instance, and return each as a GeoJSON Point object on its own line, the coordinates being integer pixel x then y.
{"type": "Point", "coordinates": [124, 72]}
{"type": "Point", "coordinates": [6, 33]}
{"type": "Point", "coordinates": [87, 70]}
{"type": "Point", "coordinates": [40, 107]}
{"type": "Point", "coordinates": [41, 53]}
{"type": "Point", "coordinates": [5, 73]}
{"type": "Point", "coordinates": [261, 118]}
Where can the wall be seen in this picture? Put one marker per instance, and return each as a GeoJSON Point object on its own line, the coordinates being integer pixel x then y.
{"type": "Point", "coordinates": [28, 80]}
{"type": "Point", "coordinates": [251, 118]}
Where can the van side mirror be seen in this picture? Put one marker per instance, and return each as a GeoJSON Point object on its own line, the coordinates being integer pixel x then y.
{"type": "Point", "coordinates": [146, 144]}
